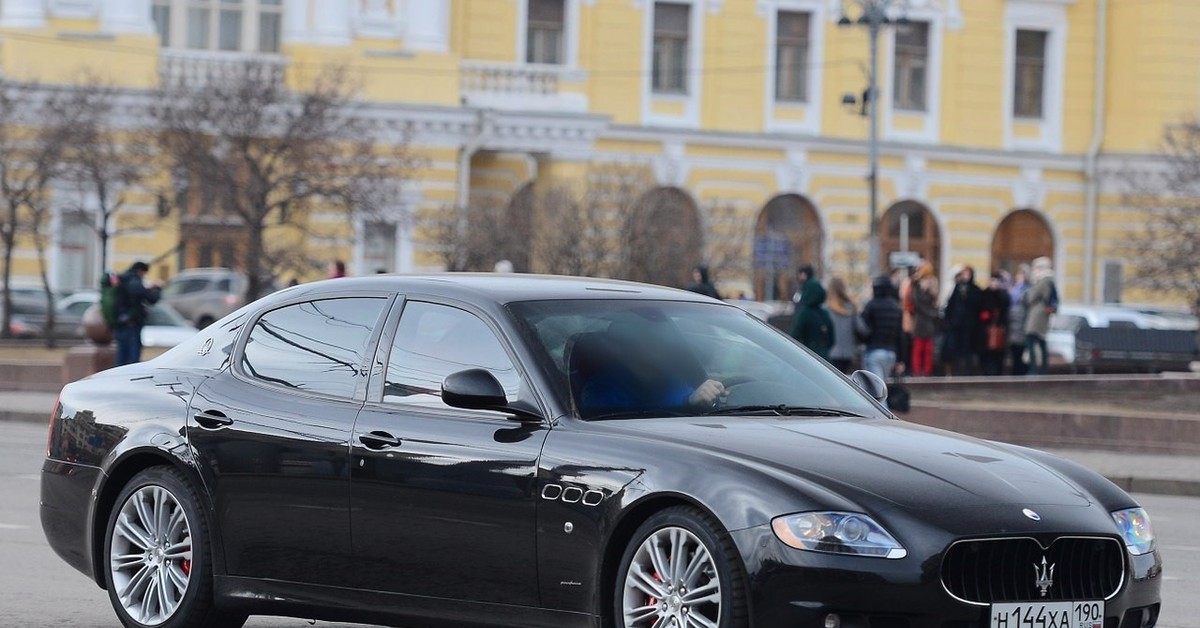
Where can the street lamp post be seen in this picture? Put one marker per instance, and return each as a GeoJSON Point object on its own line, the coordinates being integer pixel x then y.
{"type": "Point", "coordinates": [874, 17]}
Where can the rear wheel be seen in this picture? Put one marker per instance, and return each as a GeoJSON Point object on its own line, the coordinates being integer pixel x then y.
{"type": "Point", "coordinates": [680, 570]}
{"type": "Point", "coordinates": [159, 567]}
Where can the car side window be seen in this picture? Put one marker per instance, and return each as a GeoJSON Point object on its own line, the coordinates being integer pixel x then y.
{"type": "Point", "coordinates": [316, 346]}
{"type": "Point", "coordinates": [434, 341]}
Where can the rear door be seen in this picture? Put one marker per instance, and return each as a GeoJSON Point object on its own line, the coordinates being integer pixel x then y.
{"type": "Point", "coordinates": [271, 435]}
{"type": "Point", "coordinates": [443, 500]}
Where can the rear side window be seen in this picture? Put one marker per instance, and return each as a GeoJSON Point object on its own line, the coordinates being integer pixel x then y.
{"type": "Point", "coordinates": [185, 286]}
{"type": "Point", "coordinates": [316, 346]}
{"type": "Point", "coordinates": [434, 341]}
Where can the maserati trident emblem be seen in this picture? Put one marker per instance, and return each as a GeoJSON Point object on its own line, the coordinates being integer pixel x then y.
{"type": "Point", "coordinates": [1045, 576]}
{"type": "Point", "coordinates": [1031, 514]}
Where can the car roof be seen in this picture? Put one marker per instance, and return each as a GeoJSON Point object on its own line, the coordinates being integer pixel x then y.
{"type": "Point", "coordinates": [503, 288]}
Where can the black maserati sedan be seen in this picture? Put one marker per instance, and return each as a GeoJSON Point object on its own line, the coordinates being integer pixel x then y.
{"type": "Point", "coordinates": [514, 450]}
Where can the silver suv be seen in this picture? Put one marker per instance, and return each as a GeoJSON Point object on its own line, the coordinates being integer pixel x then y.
{"type": "Point", "coordinates": [204, 295]}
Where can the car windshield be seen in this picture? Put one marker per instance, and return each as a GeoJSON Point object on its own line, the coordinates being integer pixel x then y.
{"type": "Point", "coordinates": [630, 358]}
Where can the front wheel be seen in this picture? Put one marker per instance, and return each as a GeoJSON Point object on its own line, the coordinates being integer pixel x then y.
{"type": "Point", "coordinates": [680, 570]}
{"type": "Point", "coordinates": [159, 570]}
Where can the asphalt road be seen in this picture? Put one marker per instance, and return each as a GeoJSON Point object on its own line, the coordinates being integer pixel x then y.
{"type": "Point", "coordinates": [38, 590]}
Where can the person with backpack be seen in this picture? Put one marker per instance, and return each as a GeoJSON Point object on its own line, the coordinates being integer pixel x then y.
{"type": "Point", "coordinates": [811, 324]}
{"type": "Point", "coordinates": [883, 318]}
{"type": "Point", "coordinates": [130, 299]}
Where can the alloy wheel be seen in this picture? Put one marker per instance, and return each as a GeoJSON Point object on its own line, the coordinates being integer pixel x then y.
{"type": "Point", "coordinates": [151, 555]}
{"type": "Point", "coordinates": [672, 582]}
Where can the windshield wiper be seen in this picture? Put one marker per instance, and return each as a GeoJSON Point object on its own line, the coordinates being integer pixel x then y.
{"type": "Point", "coordinates": [781, 410]}
{"type": "Point", "coordinates": [640, 414]}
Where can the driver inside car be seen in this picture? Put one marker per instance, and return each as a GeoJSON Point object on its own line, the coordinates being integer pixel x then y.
{"type": "Point", "coordinates": [648, 367]}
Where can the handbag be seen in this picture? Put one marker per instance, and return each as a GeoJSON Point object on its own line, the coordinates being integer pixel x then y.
{"type": "Point", "coordinates": [898, 397]}
{"type": "Point", "coordinates": [997, 338]}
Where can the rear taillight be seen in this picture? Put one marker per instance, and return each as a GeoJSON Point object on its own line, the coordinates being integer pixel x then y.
{"type": "Point", "coordinates": [53, 424]}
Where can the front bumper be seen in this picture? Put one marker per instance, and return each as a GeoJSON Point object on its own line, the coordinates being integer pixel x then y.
{"type": "Point", "coordinates": [789, 588]}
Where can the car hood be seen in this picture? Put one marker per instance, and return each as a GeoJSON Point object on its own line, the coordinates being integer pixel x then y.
{"type": "Point", "coordinates": [881, 462]}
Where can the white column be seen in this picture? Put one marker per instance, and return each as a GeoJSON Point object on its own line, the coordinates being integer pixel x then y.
{"type": "Point", "coordinates": [295, 22]}
{"type": "Point", "coordinates": [427, 25]}
{"type": "Point", "coordinates": [22, 14]}
{"type": "Point", "coordinates": [126, 17]}
{"type": "Point", "coordinates": [331, 23]}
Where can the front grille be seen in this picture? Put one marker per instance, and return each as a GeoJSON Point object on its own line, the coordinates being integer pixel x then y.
{"type": "Point", "coordinates": [1009, 570]}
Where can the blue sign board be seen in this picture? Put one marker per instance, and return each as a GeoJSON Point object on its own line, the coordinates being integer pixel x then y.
{"type": "Point", "coordinates": [772, 252]}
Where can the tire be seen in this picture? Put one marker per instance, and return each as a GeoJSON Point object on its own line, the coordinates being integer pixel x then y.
{"type": "Point", "coordinates": [710, 584]}
{"type": "Point", "coordinates": [157, 557]}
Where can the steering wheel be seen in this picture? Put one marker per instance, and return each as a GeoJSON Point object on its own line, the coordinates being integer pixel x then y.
{"type": "Point", "coordinates": [749, 392]}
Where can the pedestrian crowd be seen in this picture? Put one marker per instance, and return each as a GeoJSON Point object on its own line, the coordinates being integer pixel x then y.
{"type": "Point", "coordinates": [909, 327]}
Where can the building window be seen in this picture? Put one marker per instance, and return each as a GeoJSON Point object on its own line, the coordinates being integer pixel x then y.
{"type": "Point", "coordinates": [791, 56]}
{"type": "Point", "coordinates": [226, 25]}
{"type": "Point", "coordinates": [1029, 76]}
{"type": "Point", "coordinates": [911, 67]}
{"type": "Point", "coordinates": [544, 32]}
{"type": "Point", "coordinates": [379, 247]}
{"type": "Point", "coordinates": [669, 74]}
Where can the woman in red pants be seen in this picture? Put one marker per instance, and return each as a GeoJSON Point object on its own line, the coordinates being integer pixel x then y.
{"type": "Point", "coordinates": [925, 319]}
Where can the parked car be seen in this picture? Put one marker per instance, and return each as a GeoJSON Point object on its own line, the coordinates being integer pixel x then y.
{"type": "Point", "coordinates": [1117, 338]}
{"type": "Point", "coordinates": [202, 295]}
{"type": "Point", "coordinates": [515, 450]}
{"type": "Point", "coordinates": [30, 319]}
{"type": "Point", "coordinates": [164, 326]}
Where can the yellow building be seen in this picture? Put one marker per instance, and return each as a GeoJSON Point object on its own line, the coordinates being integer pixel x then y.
{"type": "Point", "coordinates": [1003, 123]}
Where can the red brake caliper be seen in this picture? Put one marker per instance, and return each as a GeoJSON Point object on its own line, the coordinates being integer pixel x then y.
{"type": "Point", "coordinates": [186, 565]}
{"type": "Point", "coordinates": [651, 600]}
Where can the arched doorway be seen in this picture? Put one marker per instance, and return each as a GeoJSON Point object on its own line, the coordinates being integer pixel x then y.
{"type": "Point", "coordinates": [788, 235]}
{"type": "Point", "coordinates": [664, 239]}
{"type": "Point", "coordinates": [909, 226]}
{"type": "Point", "coordinates": [1021, 237]}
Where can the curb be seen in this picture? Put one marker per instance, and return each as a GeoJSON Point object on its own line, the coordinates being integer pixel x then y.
{"type": "Point", "coordinates": [1158, 486]}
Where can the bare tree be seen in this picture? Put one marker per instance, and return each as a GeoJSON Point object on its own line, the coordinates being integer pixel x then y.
{"type": "Point", "coordinates": [264, 156]}
{"type": "Point", "coordinates": [35, 123]}
{"type": "Point", "coordinates": [1165, 250]}
{"type": "Point", "coordinates": [104, 160]}
{"type": "Point", "coordinates": [728, 238]}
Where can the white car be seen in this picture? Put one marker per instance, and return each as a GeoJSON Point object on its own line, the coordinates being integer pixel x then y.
{"type": "Point", "coordinates": [164, 326]}
{"type": "Point", "coordinates": [1060, 340]}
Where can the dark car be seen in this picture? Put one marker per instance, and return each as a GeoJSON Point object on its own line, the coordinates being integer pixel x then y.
{"type": "Point", "coordinates": [483, 450]}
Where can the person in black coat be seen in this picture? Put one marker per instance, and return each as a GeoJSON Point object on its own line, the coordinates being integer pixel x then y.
{"type": "Point", "coordinates": [129, 309]}
{"type": "Point", "coordinates": [993, 316]}
{"type": "Point", "coordinates": [882, 317]}
{"type": "Point", "coordinates": [701, 284]}
{"type": "Point", "coordinates": [963, 331]}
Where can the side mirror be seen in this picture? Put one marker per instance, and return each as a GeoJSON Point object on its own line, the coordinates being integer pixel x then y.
{"type": "Point", "coordinates": [478, 389]}
{"type": "Point", "coordinates": [473, 389]}
{"type": "Point", "coordinates": [871, 384]}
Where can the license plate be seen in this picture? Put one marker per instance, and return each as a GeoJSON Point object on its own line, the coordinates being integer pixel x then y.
{"type": "Point", "coordinates": [1048, 615]}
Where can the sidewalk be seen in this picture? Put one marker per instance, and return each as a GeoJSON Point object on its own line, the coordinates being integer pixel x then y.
{"type": "Point", "coordinates": [1139, 473]}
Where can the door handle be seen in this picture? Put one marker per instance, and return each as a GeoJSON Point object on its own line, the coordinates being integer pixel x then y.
{"type": "Point", "coordinates": [378, 440]}
{"type": "Point", "coordinates": [213, 419]}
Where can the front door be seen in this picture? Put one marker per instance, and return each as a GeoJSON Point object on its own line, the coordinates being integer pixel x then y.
{"type": "Point", "coordinates": [443, 499]}
{"type": "Point", "coordinates": [272, 439]}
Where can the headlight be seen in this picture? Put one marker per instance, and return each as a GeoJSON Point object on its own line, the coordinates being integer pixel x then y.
{"type": "Point", "coordinates": [837, 533]}
{"type": "Point", "coordinates": [1135, 528]}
